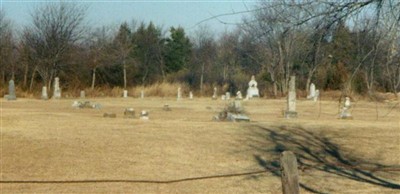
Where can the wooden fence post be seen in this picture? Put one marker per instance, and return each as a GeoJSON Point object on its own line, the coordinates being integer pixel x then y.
{"type": "Point", "coordinates": [289, 173]}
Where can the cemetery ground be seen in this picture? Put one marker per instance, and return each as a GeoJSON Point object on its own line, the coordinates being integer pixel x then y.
{"type": "Point", "coordinates": [51, 141]}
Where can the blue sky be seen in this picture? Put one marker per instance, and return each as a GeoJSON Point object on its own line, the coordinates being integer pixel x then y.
{"type": "Point", "coordinates": [162, 12]}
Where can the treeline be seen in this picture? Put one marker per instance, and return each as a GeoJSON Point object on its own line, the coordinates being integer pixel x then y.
{"type": "Point", "coordinates": [352, 46]}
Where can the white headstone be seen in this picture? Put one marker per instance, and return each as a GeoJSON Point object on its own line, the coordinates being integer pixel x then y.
{"type": "Point", "coordinates": [142, 94]}
{"type": "Point", "coordinates": [345, 112]}
{"type": "Point", "coordinates": [215, 95]}
{"type": "Point", "coordinates": [191, 95]}
{"type": "Point", "coordinates": [44, 93]}
{"type": "Point", "coordinates": [291, 99]}
{"type": "Point", "coordinates": [144, 115]}
{"type": "Point", "coordinates": [228, 95]}
{"type": "Point", "coordinates": [312, 92]}
{"type": "Point", "coordinates": [125, 94]}
{"type": "Point", "coordinates": [252, 91]}
{"type": "Point", "coordinates": [223, 97]}
{"type": "Point", "coordinates": [316, 96]}
{"type": "Point", "coordinates": [239, 95]}
{"type": "Point", "coordinates": [179, 95]}
{"type": "Point", "coordinates": [57, 89]}
{"type": "Point", "coordinates": [83, 94]}
{"type": "Point", "coordinates": [11, 91]}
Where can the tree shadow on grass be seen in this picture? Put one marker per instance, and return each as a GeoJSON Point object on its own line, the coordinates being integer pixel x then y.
{"type": "Point", "coordinates": [315, 152]}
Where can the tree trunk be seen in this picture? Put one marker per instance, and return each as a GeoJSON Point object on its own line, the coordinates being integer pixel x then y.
{"type": "Point", "coordinates": [202, 79]}
{"type": "Point", "coordinates": [32, 78]}
{"type": "Point", "coordinates": [124, 66]}
{"type": "Point", "coordinates": [25, 82]}
{"type": "Point", "coordinates": [93, 78]}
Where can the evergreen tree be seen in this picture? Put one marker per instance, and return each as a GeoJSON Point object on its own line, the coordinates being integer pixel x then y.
{"type": "Point", "coordinates": [178, 49]}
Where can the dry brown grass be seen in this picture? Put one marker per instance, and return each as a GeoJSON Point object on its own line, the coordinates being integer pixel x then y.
{"type": "Point", "coordinates": [49, 140]}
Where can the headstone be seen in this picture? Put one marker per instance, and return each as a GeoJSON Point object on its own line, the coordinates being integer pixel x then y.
{"type": "Point", "coordinates": [312, 92]}
{"type": "Point", "coordinates": [125, 94]}
{"type": "Point", "coordinates": [289, 173]}
{"type": "Point", "coordinates": [44, 93]}
{"type": "Point", "coordinates": [252, 91]}
{"type": "Point", "coordinates": [57, 89]}
{"type": "Point", "coordinates": [191, 95]}
{"type": "Point", "coordinates": [144, 115]}
{"type": "Point", "coordinates": [11, 91]}
{"type": "Point", "coordinates": [239, 95]}
{"type": "Point", "coordinates": [179, 95]}
{"type": "Point", "coordinates": [315, 99]}
{"type": "Point", "coordinates": [142, 94]}
{"type": "Point", "coordinates": [228, 95]}
{"type": "Point", "coordinates": [233, 112]}
{"type": "Point", "coordinates": [166, 107]}
{"type": "Point", "coordinates": [129, 113]}
{"type": "Point", "coordinates": [83, 94]}
{"type": "Point", "coordinates": [223, 97]}
{"type": "Point", "coordinates": [291, 99]}
{"type": "Point", "coordinates": [215, 95]}
{"type": "Point", "coordinates": [345, 113]}
{"type": "Point", "coordinates": [109, 115]}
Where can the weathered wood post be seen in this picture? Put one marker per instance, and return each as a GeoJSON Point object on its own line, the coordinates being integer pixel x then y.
{"type": "Point", "coordinates": [289, 173]}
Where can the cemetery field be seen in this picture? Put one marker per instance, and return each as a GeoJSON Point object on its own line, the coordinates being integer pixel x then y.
{"type": "Point", "coordinates": [70, 149]}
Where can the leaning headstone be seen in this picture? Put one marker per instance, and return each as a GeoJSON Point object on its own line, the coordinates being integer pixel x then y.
{"type": "Point", "coordinates": [44, 93]}
{"type": "Point", "coordinates": [83, 94]}
{"type": "Point", "coordinates": [125, 93]}
{"type": "Point", "coordinates": [191, 95]}
{"type": "Point", "coordinates": [11, 91]}
{"type": "Point", "coordinates": [109, 115]}
{"type": "Point", "coordinates": [291, 99]}
{"type": "Point", "coordinates": [179, 95]}
{"type": "Point", "coordinates": [239, 95]}
{"type": "Point", "coordinates": [144, 115]}
{"type": "Point", "coordinates": [228, 95]}
{"type": "Point", "coordinates": [345, 113]}
{"type": "Point", "coordinates": [57, 89]}
{"type": "Point", "coordinates": [215, 95]}
{"type": "Point", "coordinates": [142, 94]}
{"type": "Point", "coordinates": [252, 91]}
{"type": "Point", "coordinates": [129, 113]}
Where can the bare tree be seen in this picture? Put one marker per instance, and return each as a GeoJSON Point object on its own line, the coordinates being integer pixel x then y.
{"type": "Point", "coordinates": [55, 28]}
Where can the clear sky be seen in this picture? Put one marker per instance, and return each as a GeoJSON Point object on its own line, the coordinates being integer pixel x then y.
{"type": "Point", "coordinates": [185, 13]}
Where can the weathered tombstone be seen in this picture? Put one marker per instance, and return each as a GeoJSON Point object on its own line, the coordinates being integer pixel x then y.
{"type": "Point", "coordinates": [44, 93]}
{"type": "Point", "coordinates": [129, 113]}
{"type": "Point", "coordinates": [315, 99]}
{"type": "Point", "coordinates": [179, 95]}
{"type": "Point", "coordinates": [83, 94]}
{"type": "Point", "coordinates": [142, 94]}
{"type": "Point", "coordinates": [228, 95]}
{"type": "Point", "coordinates": [191, 95]}
{"type": "Point", "coordinates": [109, 115]}
{"type": "Point", "coordinates": [144, 115]}
{"type": "Point", "coordinates": [239, 95]}
{"type": "Point", "coordinates": [252, 91]}
{"type": "Point", "coordinates": [312, 92]}
{"type": "Point", "coordinates": [289, 173]}
{"type": "Point", "coordinates": [125, 94]}
{"type": "Point", "coordinates": [345, 112]}
{"type": "Point", "coordinates": [291, 99]}
{"type": "Point", "coordinates": [11, 91]}
{"type": "Point", "coordinates": [57, 89]}
{"type": "Point", "coordinates": [166, 107]}
{"type": "Point", "coordinates": [215, 95]}
{"type": "Point", "coordinates": [233, 112]}
{"type": "Point", "coordinates": [223, 97]}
